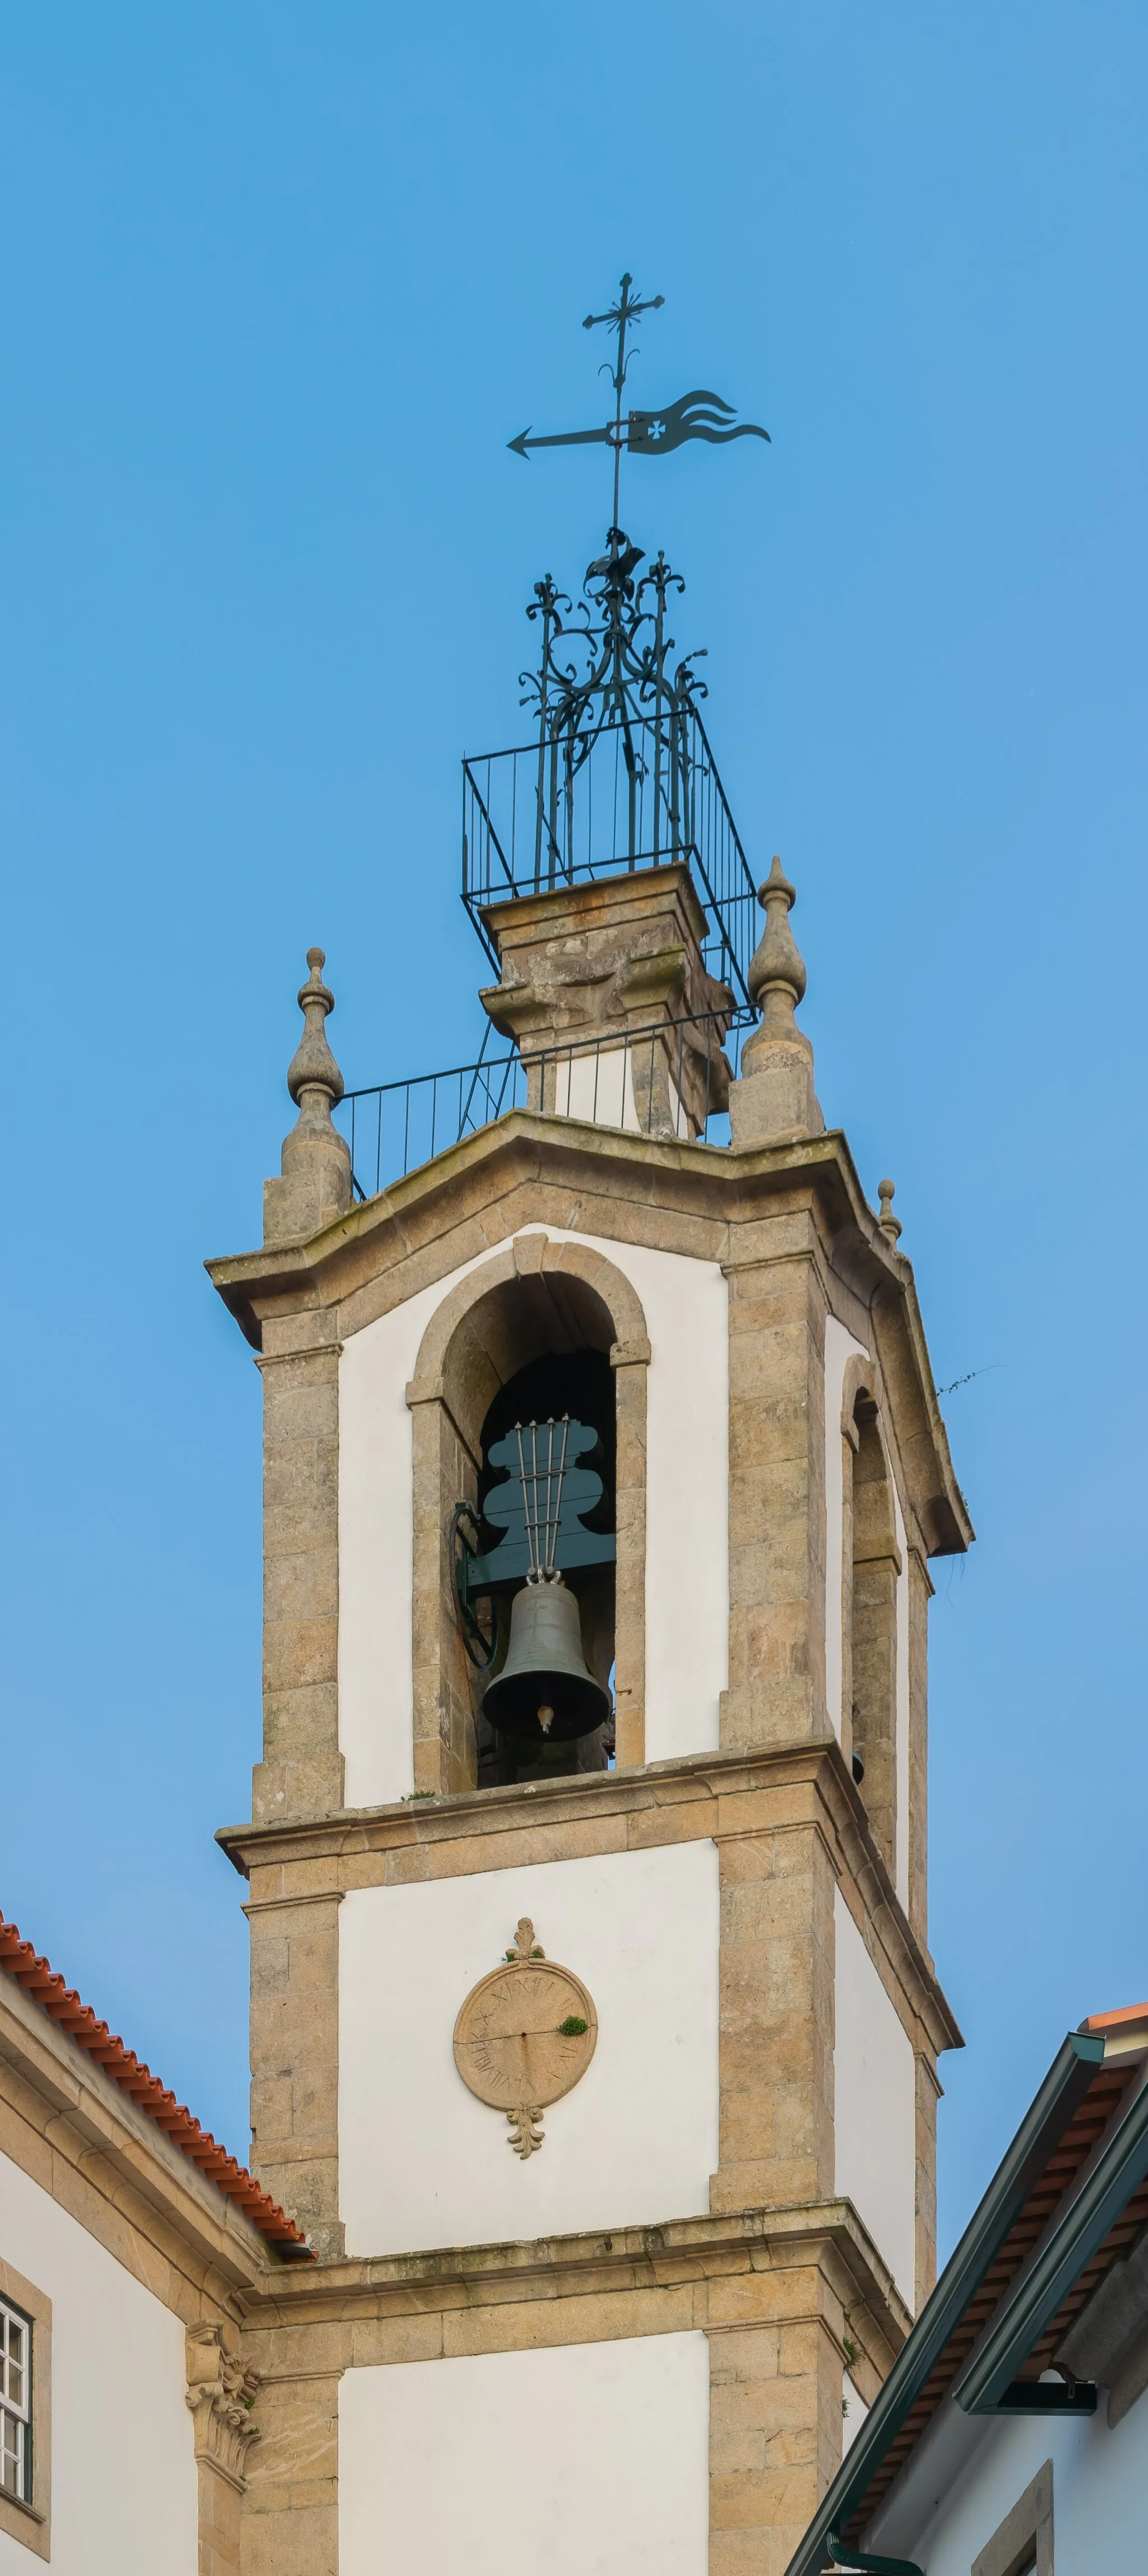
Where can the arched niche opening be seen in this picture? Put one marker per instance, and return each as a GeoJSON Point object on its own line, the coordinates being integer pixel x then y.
{"type": "Point", "coordinates": [875, 1566]}
{"type": "Point", "coordinates": [544, 1329]}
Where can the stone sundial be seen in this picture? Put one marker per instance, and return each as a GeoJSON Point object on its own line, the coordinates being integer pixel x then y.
{"type": "Point", "coordinates": [524, 2037]}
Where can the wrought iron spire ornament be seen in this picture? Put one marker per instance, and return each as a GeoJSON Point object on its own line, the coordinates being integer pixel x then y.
{"type": "Point", "coordinates": [620, 774]}
{"type": "Point", "coordinates": [644, 433]}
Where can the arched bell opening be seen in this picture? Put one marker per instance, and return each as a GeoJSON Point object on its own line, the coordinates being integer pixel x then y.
{"type": "Point", "coordinates": [540, 1343]}
{"type": "Point", "coordinates": [873, 1659]}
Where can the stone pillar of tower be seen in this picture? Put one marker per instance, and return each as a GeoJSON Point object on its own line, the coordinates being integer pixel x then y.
{"type": "Point", "coordinates": [606, 2094]}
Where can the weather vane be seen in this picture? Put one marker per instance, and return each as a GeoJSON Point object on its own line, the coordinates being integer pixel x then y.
{"type": "Point", "coordinates": [644, 433]}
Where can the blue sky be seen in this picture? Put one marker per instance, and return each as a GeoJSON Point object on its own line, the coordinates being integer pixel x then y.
{"type": "Point", "coordinates": [279, 284]}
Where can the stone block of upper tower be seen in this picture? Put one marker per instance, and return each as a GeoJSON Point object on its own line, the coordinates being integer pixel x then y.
{"type": "Point", "coordinates": [601, 959]}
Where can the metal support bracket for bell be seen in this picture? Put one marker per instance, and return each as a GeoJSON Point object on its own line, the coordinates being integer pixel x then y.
{"type": "Point", "coordinates": [462, 1544]}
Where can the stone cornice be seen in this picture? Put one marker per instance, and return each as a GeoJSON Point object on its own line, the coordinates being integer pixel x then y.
{"type": "Point", "coordinates": [713, 1180]}
{"type": "Point", "coordinates": [545, 2268]}
{"type": "Point", "coordinates": [448, 1209]}
{"type": "Point", "coordinates": [810, 1784]}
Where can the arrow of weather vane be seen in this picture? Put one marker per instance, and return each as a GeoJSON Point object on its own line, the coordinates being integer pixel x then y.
{"type": "Point", "coordinates": [644, 433]}
{"type": "Point", "coordinates": [653, 433]}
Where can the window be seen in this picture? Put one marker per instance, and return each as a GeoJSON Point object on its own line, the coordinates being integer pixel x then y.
{"type": "Point", "coordinates": [1022, 2544]}
{"type": "Point", "coordinates": [25, 2414]}
{"type": "Point", "coordinates": [15, 2403]}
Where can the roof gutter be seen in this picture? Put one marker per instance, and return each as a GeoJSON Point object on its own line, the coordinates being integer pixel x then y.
{"type": "Point", "coordinates": [1059, 2098]}
{"type": "Point", "coordinates": [856, 2559]}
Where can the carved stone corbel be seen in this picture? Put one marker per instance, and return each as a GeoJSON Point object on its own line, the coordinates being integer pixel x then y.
{"type": "Point", "coordinates": [221, 2392]}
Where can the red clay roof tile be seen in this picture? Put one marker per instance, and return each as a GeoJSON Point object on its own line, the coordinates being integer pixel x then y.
{"type": "Point", "coordinates": [1113, 2020]}
{"type": "Point", "coordinates": [63, 2005]}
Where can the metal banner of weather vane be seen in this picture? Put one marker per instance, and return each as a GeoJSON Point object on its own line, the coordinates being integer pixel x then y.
{"type": "Point", "coordinates": [644, 433]}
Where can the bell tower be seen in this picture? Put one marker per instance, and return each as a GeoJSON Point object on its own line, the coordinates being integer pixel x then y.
{"type": "Point", "coordinates": [594, 2030]}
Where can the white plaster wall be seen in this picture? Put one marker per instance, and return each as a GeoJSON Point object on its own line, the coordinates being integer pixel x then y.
{"type": "Point", "coordinates": [124, 2485]}
{"type": "Point", "coordinates": [687, 1517]}
{"type": "Point", "coordinates": [874, 2104]}
{"type": "Point", "coordinates": [686, 1306]}
{"type": "Point", "coordinates": [421, 2162]}
{"type": "Point", "coordinates": [599, 1086]}
{"type": "Point", "coordinates": [853, 2412]}
{"type": "Point", "coordinates": [376, 1548]}
{"type": "Point", "coordinates": [587, 2460]}
{"type": "Point", "coordinates": [1098, 2495]}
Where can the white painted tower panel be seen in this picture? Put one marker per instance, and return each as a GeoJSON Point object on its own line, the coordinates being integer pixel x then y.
{"type": "Point", "coordinates": [583, 2460]}
{"type": "Point", "coordinates": [421, 2162]}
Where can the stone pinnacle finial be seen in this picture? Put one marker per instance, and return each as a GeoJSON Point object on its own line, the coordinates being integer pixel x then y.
{"type": "Point", "coordinates": [316, 1161]}
{"type": "Point", "coordinates": [777, 964]}
{"type": "Point", "coordinates": [889, 1224]}
{"type": "Point", "coordinates": [313, 1063]}
{"type": "Point", "coordinates": [774, 1101]}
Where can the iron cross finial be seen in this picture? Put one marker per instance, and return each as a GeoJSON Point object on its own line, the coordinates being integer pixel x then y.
{"type": "Point", "coordinates": [626, 310]}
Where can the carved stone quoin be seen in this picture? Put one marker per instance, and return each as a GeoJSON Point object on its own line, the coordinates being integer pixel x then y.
{"type": "Point", "coordinates": [221, 2393]}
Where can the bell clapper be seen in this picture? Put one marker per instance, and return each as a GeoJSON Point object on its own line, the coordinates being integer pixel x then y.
{"type": "Point", "coordinates": [545, 1719]}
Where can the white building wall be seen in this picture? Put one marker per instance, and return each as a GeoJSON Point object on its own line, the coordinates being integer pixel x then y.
{"type": "Point", "coordinates": [687, 1517]}
{"type": "Point", "coordinates": [124, 2483]}
{"type": "Point", "coordinates": [1098, 2495]}
{"type": "Point", "coordinates": [376, 1548]}
{"type": "Point", "coordinates": [686, 1305]}
{"type": "Point", "coordinates": [421, 2161]}
{"type": "Point", "coordinates": [853, 2412]}
{"type": "Point", "coordinates": [587, 2460]}
{"type": "Point", "coordinates": [599, 1086]}
{"type": "Point", "coordinates": [875, 2104]}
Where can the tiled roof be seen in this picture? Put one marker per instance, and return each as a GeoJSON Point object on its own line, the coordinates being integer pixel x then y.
{"type": "Point", "coordinates": [63, 2005]}
{"type": "Point", "coordinates": [1058, 2174]}
{"type": "Point", "coordinates": [1079, 2119]}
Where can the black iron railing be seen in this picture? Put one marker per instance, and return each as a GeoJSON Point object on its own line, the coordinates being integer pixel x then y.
{"type": "Point", "coordinates": [670, 1079]}
{"type": "Point", "coordinates": [643, 794]}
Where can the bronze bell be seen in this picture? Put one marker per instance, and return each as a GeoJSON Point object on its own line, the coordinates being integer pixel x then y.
{"type": "Point", "coordinates": [544, 1692]}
